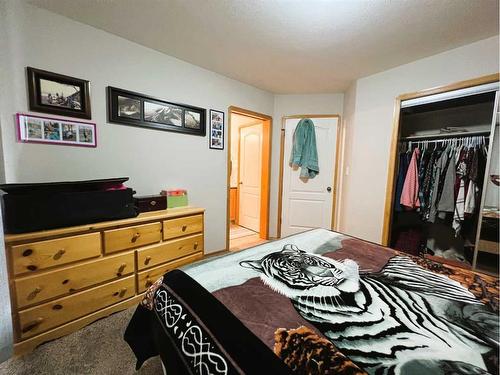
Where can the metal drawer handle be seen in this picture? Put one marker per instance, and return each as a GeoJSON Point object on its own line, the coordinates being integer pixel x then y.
{"type": "Point", "coordinates": [147, 260]}
{"type": "Point", "coordinates": [57, 307]}
{"type": "Point", "coordinates": [120, 269]}
{"type": "Point", "coordinates": [32, 325]}
{"type": "Point", "coordinates": [32, 267]}
{"type": "Point", "coordinates": [59, 254]}
{"type": "Point", "coordinates": [184, 227]}
{"type": "Point", "coordinates": [34, 292]}
{"type": "Point", "coordinates": [27, 252]}
{"type": "Point", "coordinates": [135, 237]}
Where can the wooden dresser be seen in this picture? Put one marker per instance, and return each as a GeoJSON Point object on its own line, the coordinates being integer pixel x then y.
{"type": "Point", "coordinates": [63, 279]}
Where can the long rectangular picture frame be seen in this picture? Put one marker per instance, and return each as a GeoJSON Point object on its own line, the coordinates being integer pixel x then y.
{"type": "Point", "coordinates": [51, 130]}
{"type": "Point", "coordinates": [216, 130]}
{"type": "Point", "coordinates": [131, 108]}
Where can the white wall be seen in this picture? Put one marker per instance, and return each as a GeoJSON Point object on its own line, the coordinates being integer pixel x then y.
{"type": "Point", "coordinates": [288, 105]}
{"type": "Point", "coordinates": [153, 159]}
{"type": "Point", "coordinates": [369, 126]}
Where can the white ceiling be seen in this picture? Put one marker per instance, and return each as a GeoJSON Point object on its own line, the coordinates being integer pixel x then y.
{"type": "Point", "coordinates": [291, 46]}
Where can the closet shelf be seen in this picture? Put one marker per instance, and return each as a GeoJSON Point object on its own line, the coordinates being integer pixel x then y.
{"type": "Point", "coordinates": [446, 135]}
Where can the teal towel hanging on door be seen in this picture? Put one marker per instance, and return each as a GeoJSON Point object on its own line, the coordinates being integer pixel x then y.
{"type": "Point", "coordinates": [304, 151]}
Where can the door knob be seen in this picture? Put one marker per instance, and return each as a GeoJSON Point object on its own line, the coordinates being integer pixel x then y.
{"type": "Point", "coordinates": [329, 189]}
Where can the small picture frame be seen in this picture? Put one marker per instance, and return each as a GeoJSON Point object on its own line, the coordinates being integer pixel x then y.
{"type": "Point", "coordinates": [38, 129]}
{"type": "Point", "coordinates": [131, 108]}
{"type": "Point", "coordinates": [58, 94]}
{"type": "Point", "coordinates": [216, 131]}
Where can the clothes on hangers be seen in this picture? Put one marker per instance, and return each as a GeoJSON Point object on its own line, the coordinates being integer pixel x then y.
{"type": "Point", "coordinates": [442, 179]}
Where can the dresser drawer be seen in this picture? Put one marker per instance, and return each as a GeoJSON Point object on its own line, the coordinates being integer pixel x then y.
{"type": "Point", "coordinates": [130, 237]}
{"type": "Point", "coordinates": [44, 254]}
{"type": "Point", "coordinates": [146, 278]}
{"type": "Point", "coordinates": [170, 250]}
{"type": "Point", "coordinates": [52, 314]}
{"type": "Point", "coordinates": [182, 226]}
{"type": "Point", "coordinates": [70, 279]}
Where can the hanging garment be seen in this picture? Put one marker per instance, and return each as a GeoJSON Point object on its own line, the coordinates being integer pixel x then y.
{"type": "Point", "coordinates": [459, 212]}
{"type": "Point", "coordinates": [409, 195]}
{"type": "Point", "coordinates": [426, 188]}
{"type": "Point", "coordinates": [473, 190]}
{"type": "Point", "coordinates": [304, 151]}
{"type": "Point", "coordinates": [470, 199]}
{"type": "Point", "coordinates": [458, 216]}
{"type": "Point", "coordinates": [424, 161]}
{"type": "Point", "coordinates": [447, 160]}
{"type": "Point", "coordinates": [461, 169]}
{"type": "Point", "coordinates": [482, 157]}
{"type": "Point", "coordinates": [403, 168]}
{"type": "Point", "coordinates": [446, 201]}
{"type": "Point", "coordinates": [438, 179]}
{"type": "Point", "coordinates": [436, 154]}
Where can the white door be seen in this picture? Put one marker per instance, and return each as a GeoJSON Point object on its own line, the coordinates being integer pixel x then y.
{"type": "Point", "coordinates": [308, 204]}
{"type": "Point", "coordinates": [250, 176]}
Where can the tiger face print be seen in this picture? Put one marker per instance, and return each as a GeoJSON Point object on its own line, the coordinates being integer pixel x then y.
{"type": "Point", "coordinates": [401, 320]}
{"type": "Point", "coordinates": [294, 273]}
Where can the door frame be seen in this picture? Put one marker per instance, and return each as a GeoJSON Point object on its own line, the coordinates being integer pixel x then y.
{"type": "Point", "coordinates": [396, 125]}
{"type": "Point", "coordinates": [267, 122]}
{"type": "Point", "coordinates": [336, 166]}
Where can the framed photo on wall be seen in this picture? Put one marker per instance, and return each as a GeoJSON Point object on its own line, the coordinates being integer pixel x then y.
{"type": "Point", "coordinates": [38, 129]}
{"type": "Point", "coordinates": [58, 94]}
{"type": "Point", "coordinates": [216, 135]}
{"type": "Point", "coordinates": [131, 108]}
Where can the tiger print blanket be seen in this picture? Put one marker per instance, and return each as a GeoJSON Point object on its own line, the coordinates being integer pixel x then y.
{"type": "Point", "coordinates": [384, 311]}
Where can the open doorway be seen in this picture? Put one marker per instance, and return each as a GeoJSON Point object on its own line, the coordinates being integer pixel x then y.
{"type": "Point", "coordinates": [249, 136]}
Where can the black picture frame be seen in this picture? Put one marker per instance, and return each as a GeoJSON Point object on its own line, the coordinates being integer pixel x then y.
{"type": "Point", "coordinates": [74, 100]}
{"type": "Point", "coordinates": [216, 130]}
{"type": "Point", "coordinates": [144, 111]}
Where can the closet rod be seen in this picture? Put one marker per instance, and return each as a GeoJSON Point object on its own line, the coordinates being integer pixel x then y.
{"type": "Point", "coordinates": [446, 135]}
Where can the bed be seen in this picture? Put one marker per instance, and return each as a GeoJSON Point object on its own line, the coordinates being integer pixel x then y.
{"type": "Point", "coordinates": [319, 302]}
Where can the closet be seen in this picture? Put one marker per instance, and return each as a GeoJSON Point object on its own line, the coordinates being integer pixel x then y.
{"type": "Point", "coordinates": [443, 194]}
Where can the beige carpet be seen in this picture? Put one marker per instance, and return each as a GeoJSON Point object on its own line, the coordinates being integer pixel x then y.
{"type": "Point", "coordinates": [97, 349]}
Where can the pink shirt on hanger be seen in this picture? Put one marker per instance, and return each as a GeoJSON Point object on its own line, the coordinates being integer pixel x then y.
{"type": "Point", "coordinates": [409, 195]}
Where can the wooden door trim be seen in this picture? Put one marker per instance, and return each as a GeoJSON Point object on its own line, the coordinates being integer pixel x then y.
{"type": "Point", "coordinates": [267, 122]}
{"type": "Point", "coordinates": [391, 175]}
{"type": "Point", "coordinates": [490, 78]}
{"type": "Point", "coordinates": [336, 165]}
{"type": "Point", "coordinates": [389, 191]}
